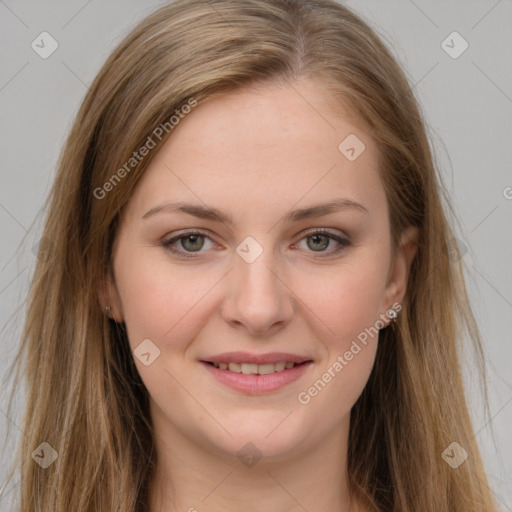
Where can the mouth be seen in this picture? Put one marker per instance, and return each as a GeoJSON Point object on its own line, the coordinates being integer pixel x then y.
{"type": "Point", "coordinates": [254, 378]}
{"type": "Point", "coordinates": [256, 369]}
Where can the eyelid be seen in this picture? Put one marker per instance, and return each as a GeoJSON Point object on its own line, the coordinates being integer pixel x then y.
{"type": "Point", "coordinates": [184, 233]}
{"type": "Point", "coordinates": [343, 241]}
{"type": "Point", "coordinates": [326, 231]}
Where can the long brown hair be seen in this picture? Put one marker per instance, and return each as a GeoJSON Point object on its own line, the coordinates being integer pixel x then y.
{"type": "Point", "coordinates": [84, 395]}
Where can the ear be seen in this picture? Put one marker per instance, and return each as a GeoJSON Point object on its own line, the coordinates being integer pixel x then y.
{"type": "Point", "coordinates": [398, 275]}
{"type": "Point", "coordinates": [109, 296]}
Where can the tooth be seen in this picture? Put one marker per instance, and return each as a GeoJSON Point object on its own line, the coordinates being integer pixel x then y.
{"type": "Point", "coordinates": [249, 368]}
{"type": "Point", "coordinates": [223, 366]}
{"type": "Point", "coordinates": [216, 365]}
{"type": "Point", "coordinates": [279, 367]}
{"type": "Point", "coordinates": [264, 369]}
{"type": "Point", "coordinates": [290, 365]}
{"type": "Point", "coordinates": [235, 367]}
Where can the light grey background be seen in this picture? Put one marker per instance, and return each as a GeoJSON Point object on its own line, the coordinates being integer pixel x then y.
{"type": "Point", "coordinates": [467, 104]}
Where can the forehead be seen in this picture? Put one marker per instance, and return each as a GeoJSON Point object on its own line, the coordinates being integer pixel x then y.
{"type": "Point", "coordinates": [268, 146]}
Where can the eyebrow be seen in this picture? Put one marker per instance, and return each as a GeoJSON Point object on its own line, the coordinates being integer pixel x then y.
{"type": "Point", "coordinates": [204, 212]}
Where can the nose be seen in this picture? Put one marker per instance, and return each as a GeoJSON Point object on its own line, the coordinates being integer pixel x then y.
{"type": "Point", "coordinates": [257, 297]}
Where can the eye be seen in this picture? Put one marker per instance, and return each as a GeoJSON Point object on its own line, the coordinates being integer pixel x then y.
{"type": "Point", "coordinates": [317, 240]}
{"type": "Point", "coordinates": [191, 242]}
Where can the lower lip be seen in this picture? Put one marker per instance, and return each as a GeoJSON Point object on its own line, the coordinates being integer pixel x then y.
{"type": "Point", "coordinates": [257, 384]}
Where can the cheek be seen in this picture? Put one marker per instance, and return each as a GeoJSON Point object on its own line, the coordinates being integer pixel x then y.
{"type": "Point", "coordinates": [159, 299]}
{"type": "Point", "coordinates": [347, 300]}
{"type": "Point", "coordinates": [347, 306]}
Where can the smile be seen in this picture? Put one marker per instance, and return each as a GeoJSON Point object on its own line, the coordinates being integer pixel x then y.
{"type": "Point", "coordinates": [255, 369]}
{"type": "Point", "coordinates": [256, 379]}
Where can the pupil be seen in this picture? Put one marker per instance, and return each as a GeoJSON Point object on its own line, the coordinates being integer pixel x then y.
{"type": "Point", "coordinates": [316, 237]}
{"type": "Point", "coordinates": [194, 239]}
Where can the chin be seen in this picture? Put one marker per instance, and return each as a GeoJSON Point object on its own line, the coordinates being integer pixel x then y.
{"type": "Point", "coordinates": [267, 439]}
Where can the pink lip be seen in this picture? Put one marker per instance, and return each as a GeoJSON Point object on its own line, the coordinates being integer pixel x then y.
{"type": "Point", "coordinates": [256, 384]}
{"type": "Point", "coordinates": [246, 357]}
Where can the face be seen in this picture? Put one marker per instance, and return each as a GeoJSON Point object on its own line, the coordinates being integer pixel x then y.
{"type": "Point", "coordinates": [264, 275]}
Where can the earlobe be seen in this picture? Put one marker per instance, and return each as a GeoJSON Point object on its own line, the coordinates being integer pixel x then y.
{"type": "Point", "coordinates": [399, 275]}
{"type": "Point", "coordinates": [109, 299]}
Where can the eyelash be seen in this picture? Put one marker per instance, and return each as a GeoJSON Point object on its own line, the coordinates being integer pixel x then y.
{"type": "Point", "coordinates": [344, 243]}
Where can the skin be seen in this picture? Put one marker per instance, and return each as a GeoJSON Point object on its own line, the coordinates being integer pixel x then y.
{"type": "Point", "coordinates": [255, 154]}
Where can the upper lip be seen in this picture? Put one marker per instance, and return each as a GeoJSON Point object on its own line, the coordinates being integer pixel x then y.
{"type": "Point", "coordinates": [246, 357]}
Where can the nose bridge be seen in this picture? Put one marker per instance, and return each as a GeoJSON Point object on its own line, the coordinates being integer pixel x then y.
{"type": "Point", "coordinates": [257, 297]}
{"type": "Point", "coordinates": [254, 261]}
{"type": "Point", "coordinates": [259, 276]}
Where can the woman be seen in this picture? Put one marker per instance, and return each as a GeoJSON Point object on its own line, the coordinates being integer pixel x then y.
{"type": "Point", "coordinates": [252, 301]}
